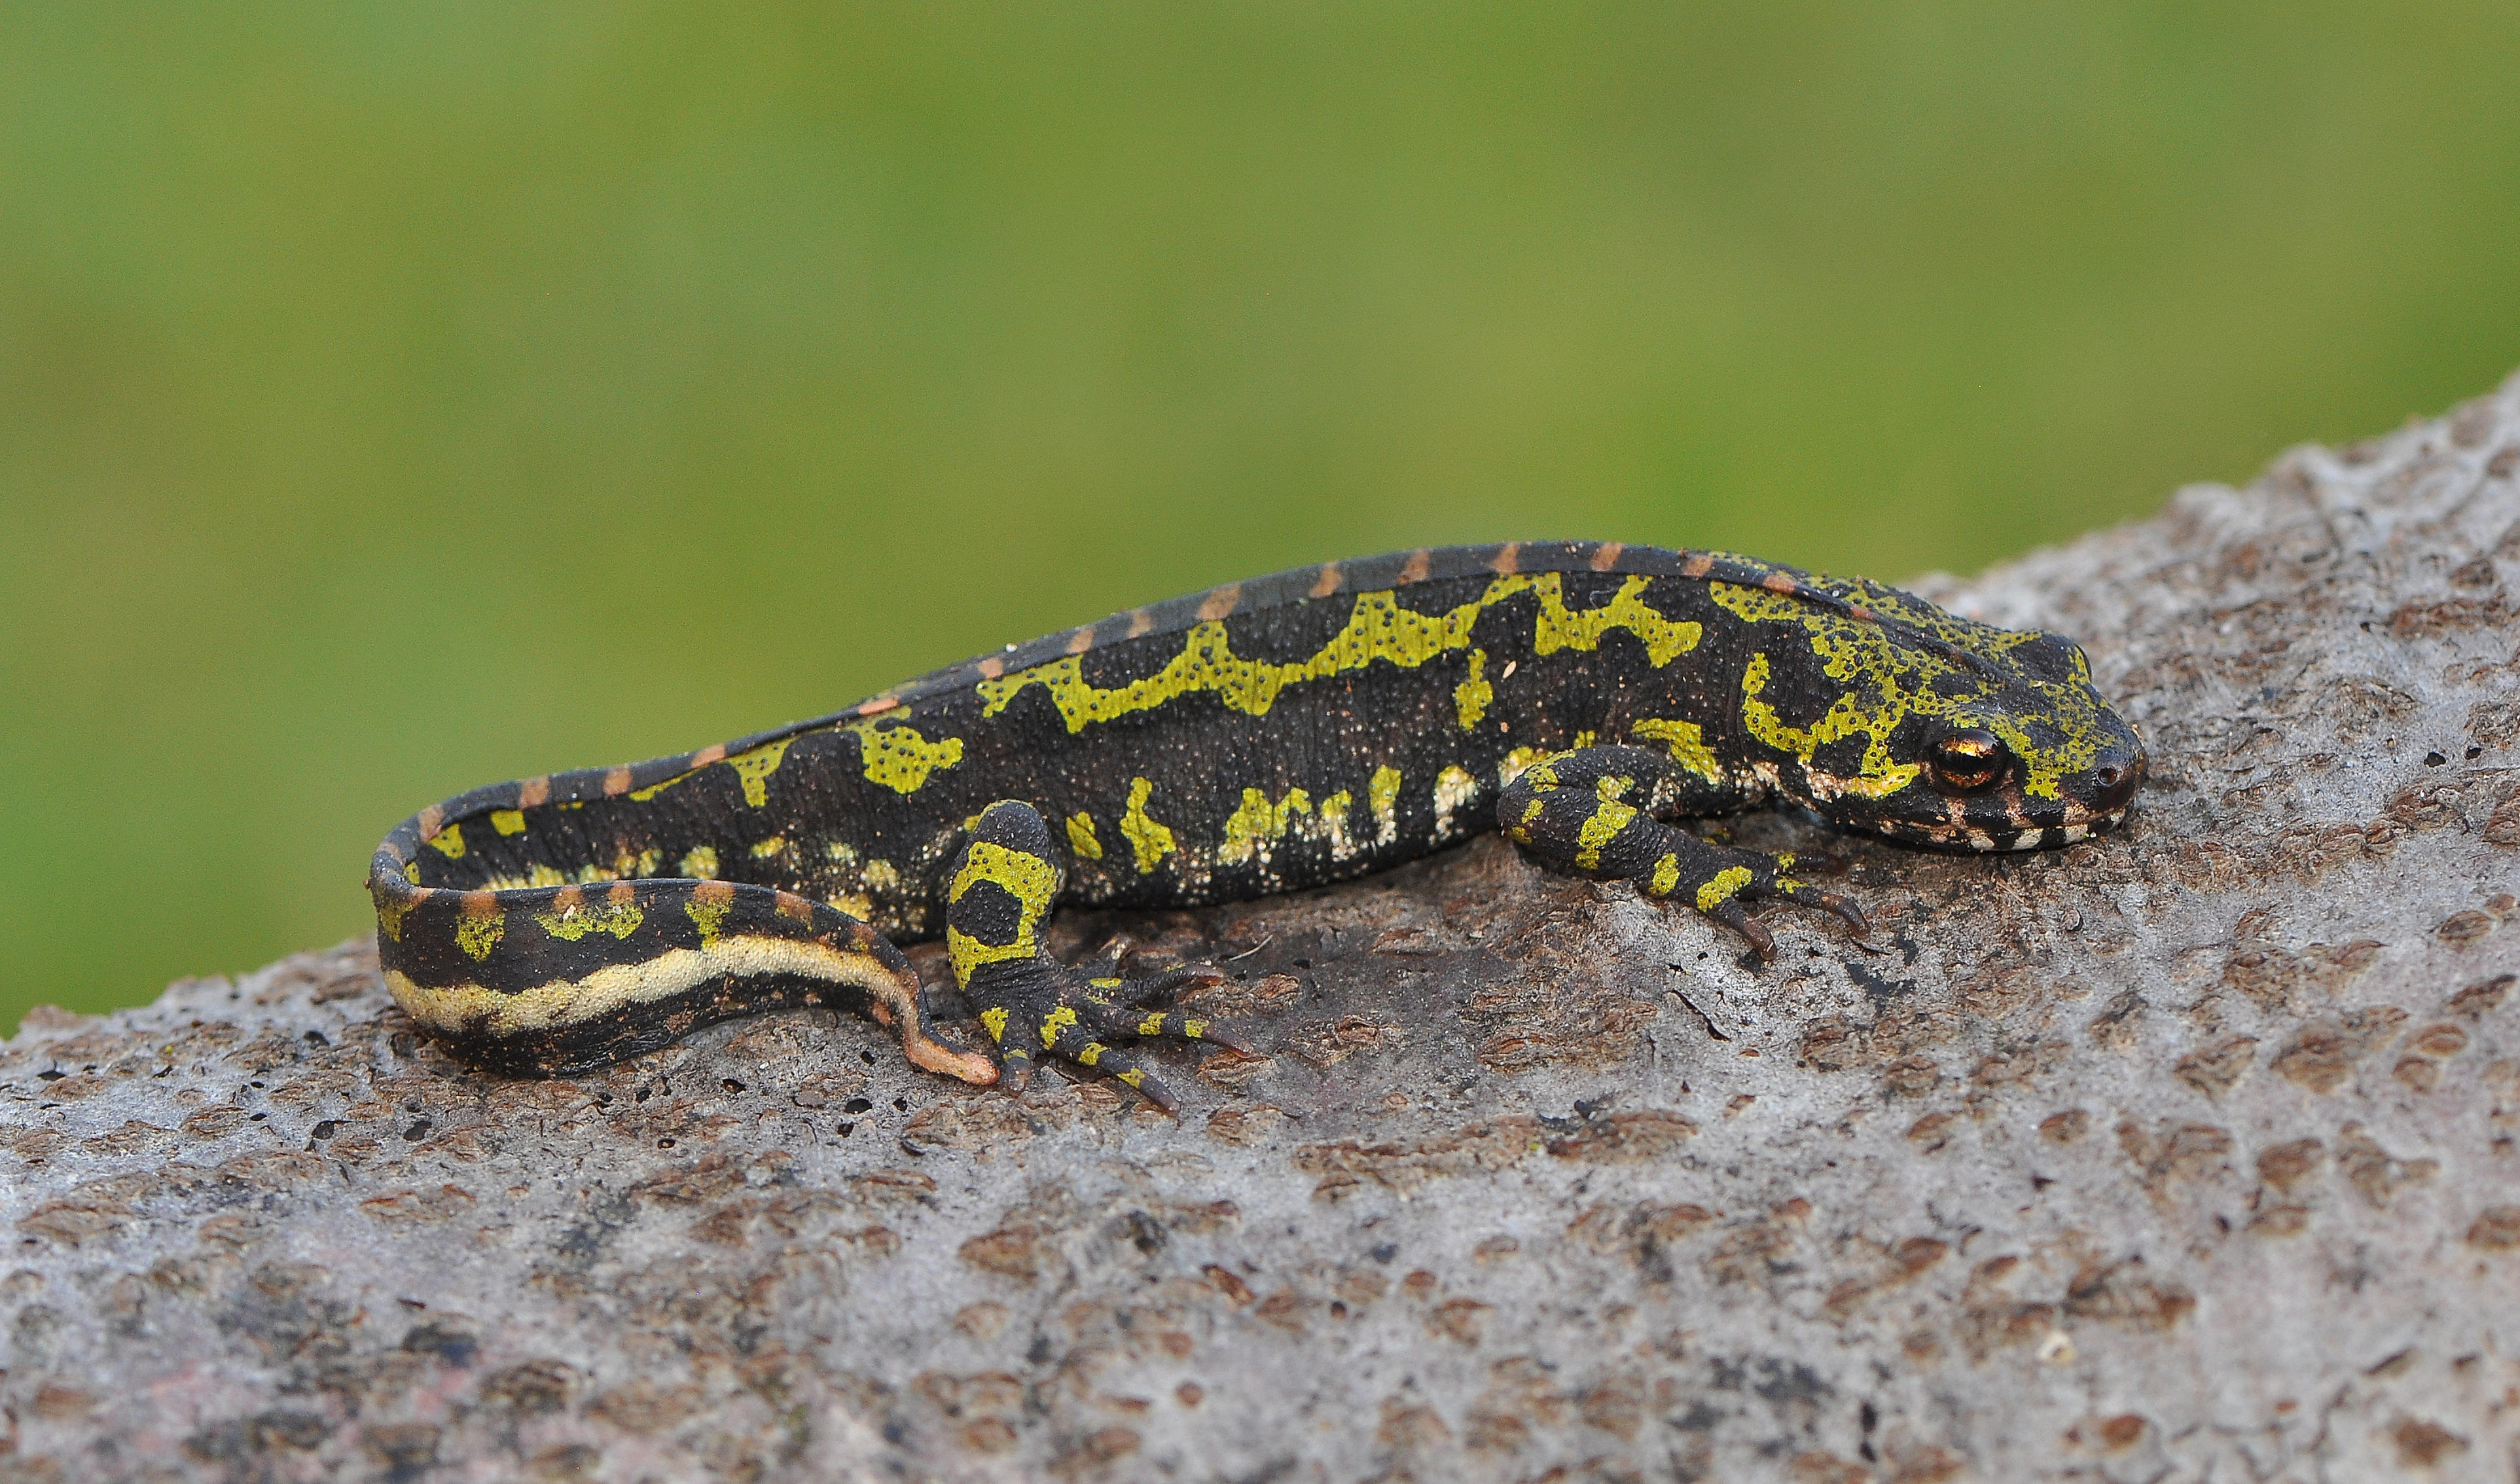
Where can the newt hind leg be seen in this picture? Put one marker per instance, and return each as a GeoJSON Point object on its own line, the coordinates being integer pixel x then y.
{"type": "Point", "coordinates": [1587, 810]}
{"type": "Point", "coordinates": [1033, 1007]}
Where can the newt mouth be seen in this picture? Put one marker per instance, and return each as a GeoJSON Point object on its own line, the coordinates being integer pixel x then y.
{"type": "Point", "coordinates": [1979, 840]}
{"type": "Point", "coordinates": [2047, 837]}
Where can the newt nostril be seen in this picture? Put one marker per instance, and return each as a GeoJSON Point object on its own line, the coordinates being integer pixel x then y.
{"type": "Point", "coordinates": [2115, 784]}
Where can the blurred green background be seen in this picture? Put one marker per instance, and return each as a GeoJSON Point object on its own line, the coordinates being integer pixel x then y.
{"type": "Point", "coordinates": [398, 398]}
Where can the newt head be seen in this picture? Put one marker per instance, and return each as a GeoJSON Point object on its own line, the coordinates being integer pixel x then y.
{"type": "Point", "coordinates": [1884, 713]}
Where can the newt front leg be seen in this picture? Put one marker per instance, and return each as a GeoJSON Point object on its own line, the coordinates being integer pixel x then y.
{"type": "Point", "coordinates": [1587, 810]}
{"type": "Point", "coordinates": [1033, 1007]}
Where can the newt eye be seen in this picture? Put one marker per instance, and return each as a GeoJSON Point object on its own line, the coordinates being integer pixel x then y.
{"type": "Point", "coordinates": [1967, 761]}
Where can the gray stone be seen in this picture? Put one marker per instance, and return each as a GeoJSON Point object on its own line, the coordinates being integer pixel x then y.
{"type": "Point", "coordinates": [2185, 1153]}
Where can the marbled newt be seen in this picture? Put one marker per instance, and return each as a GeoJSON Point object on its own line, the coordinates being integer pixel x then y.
{"type": "Point", "coordinates": [1256, 738]}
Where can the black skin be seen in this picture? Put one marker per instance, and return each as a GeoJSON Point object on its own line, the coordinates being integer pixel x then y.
{"type": "Point", "coordinates": [1275, 735]}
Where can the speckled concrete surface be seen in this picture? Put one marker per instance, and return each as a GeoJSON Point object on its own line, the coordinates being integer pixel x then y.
{"type": "Point", "coordinates": [2184, 1154]}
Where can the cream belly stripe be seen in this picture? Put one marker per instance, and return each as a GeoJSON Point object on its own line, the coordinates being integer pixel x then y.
{"type": "Point", "coordinates": [470, 1009]}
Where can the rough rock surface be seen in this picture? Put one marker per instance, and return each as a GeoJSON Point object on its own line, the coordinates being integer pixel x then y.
{"type": "Point", "coordinates": [2186, 1154]}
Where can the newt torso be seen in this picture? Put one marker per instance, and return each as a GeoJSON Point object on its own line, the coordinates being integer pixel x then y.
{"type": "Point", "coordinates": [1284, 732]}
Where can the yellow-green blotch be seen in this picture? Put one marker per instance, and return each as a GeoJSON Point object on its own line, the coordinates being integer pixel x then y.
{"type": "Point", "coordinates": [897, 756]}
{"type": "Point", "coordinates": [479, 932]}
{"type": "Point", "coordinates": [1031, 880]}
{"type": "Point", "coordinates": [755, 767]}
{"type": "Point", "coordinates": [1382, 800]}
{"type": "Point", "coordinates": [1876, 776]}
{"type": "Point", "coordinates": [1377, 628]}
{"type": "Point", "coordinates": [1473, 696]}
{"type": "Point", "coordinates": [1687, 745]}
{"type": "Point", "coordinates": [1151, 841]}
{"type": "Point", "coordinates": [708, 915]}
{"type": "Point", "coordinates": [571, 923]}
{"type": "Point", "coordinates": [1257, 821]}
{"type": "Point", "coordinates": [1720, 889]}
{"type": "Point", "coordinates": [1562, 628]}
{"type": "Point", "coordinates": [1609, 817]}
{"type": "Point", "coordinates": [752, 769]}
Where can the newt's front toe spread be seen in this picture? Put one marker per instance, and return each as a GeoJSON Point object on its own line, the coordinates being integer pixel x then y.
{"type": "Point", "coordinates": [1266, 735]}
{"type": "Point", "coordinates": [1033, 1006]}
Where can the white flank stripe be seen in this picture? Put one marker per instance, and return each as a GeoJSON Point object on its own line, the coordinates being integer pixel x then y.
{"type": "Point", "coordinates": [470, 1009]}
